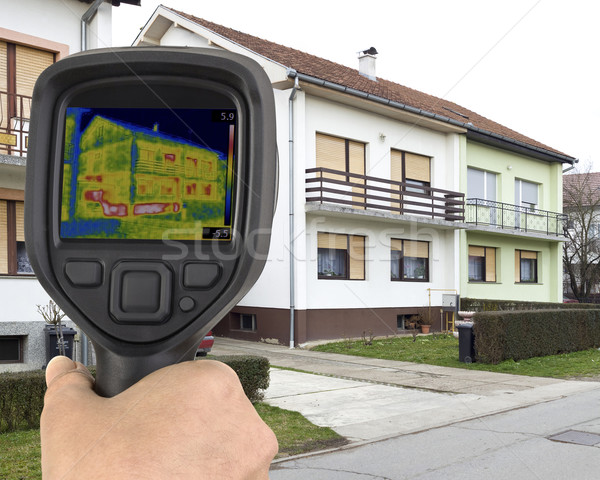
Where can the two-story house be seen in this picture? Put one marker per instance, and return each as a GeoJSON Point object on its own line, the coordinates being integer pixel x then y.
{"type": "Point", "coordinates": [33, 35]}
{"type": "Point", "coordinates": [388, 198]}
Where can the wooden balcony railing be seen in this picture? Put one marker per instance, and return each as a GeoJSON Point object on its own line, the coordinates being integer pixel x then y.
{"type": "Point", "coordinates": [514, 217]}
{"type": "Point", "coordinates": [362, 192]}
{"type": "Point", "coordinates": [14, 123]}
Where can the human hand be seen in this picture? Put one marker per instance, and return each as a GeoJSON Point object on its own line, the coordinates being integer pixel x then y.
{"type": "Point", "coordinates": [190, 420]}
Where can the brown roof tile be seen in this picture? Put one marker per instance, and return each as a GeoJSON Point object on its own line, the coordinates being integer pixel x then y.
{"type": "Point", "coordinates": [327, 70]}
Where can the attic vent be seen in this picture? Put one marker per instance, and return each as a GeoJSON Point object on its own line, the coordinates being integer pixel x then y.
{"type": "Point", "coordinates": [456, 113]}
{"type": "Point", "coordinates": [366, 63]}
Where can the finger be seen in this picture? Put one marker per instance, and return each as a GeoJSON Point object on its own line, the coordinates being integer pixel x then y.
{"type": "Point", "coordinates": [60, 367]}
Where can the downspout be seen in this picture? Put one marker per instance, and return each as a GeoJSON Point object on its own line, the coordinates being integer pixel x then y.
{"type": "Point", "coordinates": [295, 88]}
{"type": "Point", "coordinates": [85, 20]}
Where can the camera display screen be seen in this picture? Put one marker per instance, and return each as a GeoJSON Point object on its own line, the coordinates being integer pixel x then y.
{"type": "Point", "coordinates": [148, 173]}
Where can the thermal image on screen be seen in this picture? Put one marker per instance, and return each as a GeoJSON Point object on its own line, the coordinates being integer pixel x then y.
{"type": "Point", "coordinates": [148, 174]}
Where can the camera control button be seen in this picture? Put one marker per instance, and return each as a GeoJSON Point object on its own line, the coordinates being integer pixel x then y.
{"type": "Point", "coordinates": [200, 275]}
{"type": "Point", "coordinates": [140, 292]}
{"type": "Point", "coordinates": [187, 304]}
{"type": "Point", "coordinates": [84, 273]}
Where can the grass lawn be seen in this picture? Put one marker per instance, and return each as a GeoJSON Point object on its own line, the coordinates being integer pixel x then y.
{"type": "Point", "coordinates": [295, 433]}
{"type": "Point", "coordinates": [443, 350]}
{"type": "Point", "coordinates": [20, 453]}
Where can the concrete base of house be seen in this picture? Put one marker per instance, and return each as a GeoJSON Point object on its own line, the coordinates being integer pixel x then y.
{"type": "Point", "coordinates": [31, 339]}
{"type": "Point", "coordinates": [272, 325]}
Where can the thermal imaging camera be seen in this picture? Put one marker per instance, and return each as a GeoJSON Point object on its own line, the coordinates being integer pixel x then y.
{"type": "Point", "coordinates": [151, 186]}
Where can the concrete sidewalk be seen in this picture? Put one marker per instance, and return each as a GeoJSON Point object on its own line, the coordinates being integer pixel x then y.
{"type": "Point", "coordinates": [371, 399]}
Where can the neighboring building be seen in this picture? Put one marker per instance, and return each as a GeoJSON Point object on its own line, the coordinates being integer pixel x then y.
{"type": "Point", "coordinates": [581, 255]}
{"type": "Point", "coordinates": [377, 174]}
{"type": "Point", "coordinates": [29, 43]}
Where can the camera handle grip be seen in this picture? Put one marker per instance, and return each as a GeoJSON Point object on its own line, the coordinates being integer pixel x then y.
{"type": "Point", "coordinates": [116, 373]}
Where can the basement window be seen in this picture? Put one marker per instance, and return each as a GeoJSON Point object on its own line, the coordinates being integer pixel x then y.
{"type": "Point", "coordinates": [11, 349]}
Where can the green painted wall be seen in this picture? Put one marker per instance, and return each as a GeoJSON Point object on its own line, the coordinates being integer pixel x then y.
{"type": "Point", "coordinates": [509, 166]}
{"type": "Point", "coordinates": [549, 286]}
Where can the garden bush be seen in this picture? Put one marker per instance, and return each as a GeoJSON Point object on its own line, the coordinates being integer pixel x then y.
{"type": "Point", "coordinates": [483, 305]}
{"type": "Point", "coordinates": [518, 335]}
{"type": "Point", "coordinates": [22, 393]}
{"type": "Point", "coordinates": [253, 372]}
{"type": "Point", "coordinates": [21, 400]}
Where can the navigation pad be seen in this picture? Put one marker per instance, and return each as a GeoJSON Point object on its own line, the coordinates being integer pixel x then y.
{"type": "Point", "coordinates": [140, 292]}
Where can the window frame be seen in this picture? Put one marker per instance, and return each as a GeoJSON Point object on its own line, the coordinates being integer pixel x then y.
{"type": "Point", "coordinates": [20, 345]}
{"type": "Point", "coordinates": [252, 317]}
{"type": "Point", "coordinates": [535, 269]}
{"type": "Point", "coordinates": [10, 229]}
{"type": "Point", "coordinates": [401, 263]}
{"type": "Point", "coordinates": [349, 258]}
{"type": "Point", "coordinates": [485, 264]}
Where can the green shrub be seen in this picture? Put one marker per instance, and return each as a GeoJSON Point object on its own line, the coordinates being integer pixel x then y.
{"type": "Point", "coordinates": [21, 400]}
{"type": "Point", "coordinates": [22, 393]}
{"type": "Point", "coordinates": [518, 335]}
{"type": "Point", "coordinates": [253, 372]}
{"type": "Point", "coordinates": [483, 305]}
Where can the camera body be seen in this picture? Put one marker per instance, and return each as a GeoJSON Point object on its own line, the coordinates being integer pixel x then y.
{"type": "Point", "coordinates": [151, 188]}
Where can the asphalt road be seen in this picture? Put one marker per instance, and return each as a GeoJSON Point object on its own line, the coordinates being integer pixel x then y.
{"type": "Point", "coordinates": [516, 445]}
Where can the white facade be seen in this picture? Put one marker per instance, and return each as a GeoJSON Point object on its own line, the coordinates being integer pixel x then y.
{"type": "Point", "coordinates": [380, 130]}
{"type": "Point", "coordinates": [57, 21]}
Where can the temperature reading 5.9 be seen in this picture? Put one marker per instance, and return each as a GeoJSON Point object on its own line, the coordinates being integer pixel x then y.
{"type": "Point", "coordinates": [227, 116]}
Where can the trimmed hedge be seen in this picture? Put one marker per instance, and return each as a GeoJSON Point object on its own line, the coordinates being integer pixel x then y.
{"type": "Point", "coordinates": [534, 333]}
{"type": "Point", "coordinates": [483, 305]}
{"type": "Point", "coordinates": [22, 393]}
{"type": "Point", "coordinates": [253, 372]}
{"type": "Point", "coordinates": [21, 400]}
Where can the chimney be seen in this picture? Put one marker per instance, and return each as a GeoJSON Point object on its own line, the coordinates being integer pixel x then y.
{"type": "Point", "coordinates": [366, 63]}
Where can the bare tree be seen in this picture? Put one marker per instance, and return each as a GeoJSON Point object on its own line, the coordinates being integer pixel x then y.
{"type": "Point", "coordinates": [53, 315]}
{"type": "Point", "coordinates": [581, 252]}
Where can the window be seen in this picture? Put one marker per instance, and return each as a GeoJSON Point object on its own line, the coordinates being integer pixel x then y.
{"type": "Point", "coordinates": [526, 194]}
{"type": "Point", "coordinates": [11, 349]}
{"type": "Point", "coordinates": [482, 264]}
{"type": "Point", "coordinates": [481, 184]}
{"type": "Point", "coordinates": [409, 260]}
{"type": "Point", "coordinates": [20, 66]}
{"type": "Point", "coordinates": [410, 168]}
{"type": "Point", "coordinates": [340, 257]}
{"type": "Point", "coordinates": [342, 155]}
{"type": "Point", "coordinates": [526, 266]}
{"type": "Point", "coordinates": [13, 257]}
{"type": "Point", "coordinates": [247, 322]}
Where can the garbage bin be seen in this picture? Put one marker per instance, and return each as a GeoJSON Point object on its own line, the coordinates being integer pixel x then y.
{"type": "Point", "coordinates": [466, 343]}
{"type": "Point", "coordinates": [53, 341]}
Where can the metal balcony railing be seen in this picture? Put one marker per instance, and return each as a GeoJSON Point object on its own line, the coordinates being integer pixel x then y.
{"type": "Point", "coordinates": [515, 217]}
{"type": "Point", "coordinates": [14, 123]}
{"type": "Point", "coordinates": [363, 192]}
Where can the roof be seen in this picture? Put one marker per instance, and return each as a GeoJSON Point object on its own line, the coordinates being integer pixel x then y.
{"type": "Point", "coordinates": [424, 104]}
{"type": "Point", "coordinates": [581, 188]}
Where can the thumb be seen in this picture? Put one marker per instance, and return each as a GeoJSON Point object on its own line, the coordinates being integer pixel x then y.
{"type": "Point", "coordinates": [60, 367]}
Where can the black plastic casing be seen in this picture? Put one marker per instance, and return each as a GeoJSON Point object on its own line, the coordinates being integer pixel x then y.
{"type": "Point", "coordinates": [129, 345]}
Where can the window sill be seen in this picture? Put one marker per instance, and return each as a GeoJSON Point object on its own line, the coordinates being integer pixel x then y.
{"type": "Point", "coordinates": [481, 282]}
{"type": "Point", "coordinates": [26, 276]}
{"type": "Point", "coordinates": [409, 280]}
{"type": "Point", "coordinates": [528, 283]}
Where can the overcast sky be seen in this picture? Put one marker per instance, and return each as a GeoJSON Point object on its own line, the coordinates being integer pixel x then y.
{"type": "Point", "coordinates": [532, 65]}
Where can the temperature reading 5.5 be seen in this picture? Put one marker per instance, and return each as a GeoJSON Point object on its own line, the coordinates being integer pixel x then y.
{"type": "Point", "coordinates": [227, 116]}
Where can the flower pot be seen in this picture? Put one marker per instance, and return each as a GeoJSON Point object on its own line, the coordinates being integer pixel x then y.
{"type": "Point", "coordinates": [425, 328]}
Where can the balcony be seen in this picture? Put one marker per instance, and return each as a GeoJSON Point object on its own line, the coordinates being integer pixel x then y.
{"type": "Point", "coordinates": [514, 217]}
{"type": "Point", "coordinates": [14, 123]}
{"type": "Point", "coordinates": [362, 192]}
